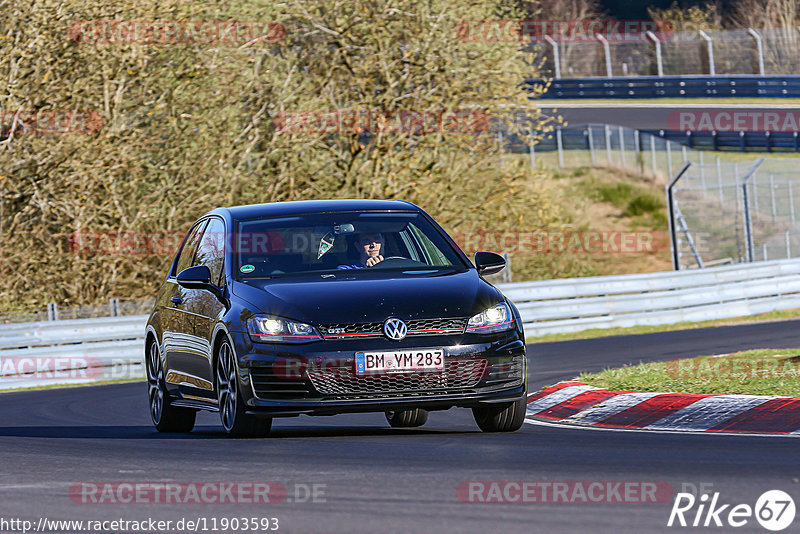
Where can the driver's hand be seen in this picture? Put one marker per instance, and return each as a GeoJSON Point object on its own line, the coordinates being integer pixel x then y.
{"type": "Point", "coordinates": [374, 260]}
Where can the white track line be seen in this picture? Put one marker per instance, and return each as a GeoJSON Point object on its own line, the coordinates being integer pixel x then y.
{"type": "Point", "coordinates": [612, 429]}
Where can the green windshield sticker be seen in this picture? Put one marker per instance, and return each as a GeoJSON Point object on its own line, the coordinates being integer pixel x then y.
{"type": "Point", "coordinates": [247, 268]}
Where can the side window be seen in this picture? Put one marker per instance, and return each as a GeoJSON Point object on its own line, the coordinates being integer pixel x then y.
{"type": "Point", "coordinates": [430, 250]}
{"type": "Point", "coordinates": [211, 251]}
{"type": "Point", "coordinates": [190, 245]}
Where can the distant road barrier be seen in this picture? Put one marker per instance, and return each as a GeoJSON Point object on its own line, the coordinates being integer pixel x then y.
{"type": "Point", "coordinates": [88, 350]}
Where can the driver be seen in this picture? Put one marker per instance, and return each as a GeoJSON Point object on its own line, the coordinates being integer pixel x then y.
{"type": "Point", "coordinates": [369, 246]}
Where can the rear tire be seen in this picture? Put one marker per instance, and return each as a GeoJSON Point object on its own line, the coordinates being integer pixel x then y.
{"type": "Point", "coordinates": [407, 418]}
{"type": "Point", "coordinates": [165, 416]}
{"type": "Point", "coordinates": [235, 421]}
{"type": "Point", "coordinates": [503, 417]}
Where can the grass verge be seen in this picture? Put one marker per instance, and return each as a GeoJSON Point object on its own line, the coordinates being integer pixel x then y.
{"type": "Point", "coordinates": [649, 329]}
{"type": "Point", "coordinates": [752, 372]}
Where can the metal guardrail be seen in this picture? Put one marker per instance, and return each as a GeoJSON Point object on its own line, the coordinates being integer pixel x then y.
{"type": "Point", "coordinates": [746, 85]}
{"type": "Point", "coordinates": [572, 305]}
{"type": "Point", "coordinates": [546, 307]}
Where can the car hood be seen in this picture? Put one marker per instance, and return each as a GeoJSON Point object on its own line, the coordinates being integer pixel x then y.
{"type": "Point", "coordinates": [358, 299]}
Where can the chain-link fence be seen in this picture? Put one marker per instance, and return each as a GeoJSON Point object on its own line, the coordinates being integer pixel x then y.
{"type": "Point", "coordinates": [723, 211]}
{"type": "Point", "coordinates": [733, 212]}
{"type": "Point", "coordinates": [723, 52]}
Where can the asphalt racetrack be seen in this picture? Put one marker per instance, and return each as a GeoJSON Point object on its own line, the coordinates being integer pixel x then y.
{"type": "Point", "coordinates": [370, 478]}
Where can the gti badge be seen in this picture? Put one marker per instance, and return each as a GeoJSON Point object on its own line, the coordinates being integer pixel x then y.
{"type": "Point", "coordinates": [395, 329]}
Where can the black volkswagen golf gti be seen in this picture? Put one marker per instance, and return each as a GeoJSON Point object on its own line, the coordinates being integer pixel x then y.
{"type": "Point", "coordinates": [328, 307]}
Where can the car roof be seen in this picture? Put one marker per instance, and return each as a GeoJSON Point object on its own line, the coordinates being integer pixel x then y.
{"type": "Point", "coordinates": [278, 209]}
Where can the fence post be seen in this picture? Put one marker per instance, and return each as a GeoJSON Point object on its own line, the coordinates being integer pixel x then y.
{"type": "Point", "coordinates": [759, 49]}
{"type": "Point", "coordinates": [710, 44]}
{"type": "Point", "coordinates": [702, 172]}
{"type": "Point", "coordinates": [52, 311]}
{"type": "Point", "coordinates": [791, 200]}
{"type": "Point", "coordinates": [591, 146]}
{"type": "Point", "coordinates": [556, 55]}
{"type": "Point", "coordinates": [719, 181]}
{"type": "Point", "coordinates": [755, 194]}
{"type": "Point", "coordinates": [608, 143]}
{"type": "Point", "coordinates": [669, 156]}
{"type": "Point", "coordinates": [772, 197]}
{"type": "Point", "coordinates": [659, 65]}
{"type": "Point", "coordinates": [560, 146]}
{"type": "Point", "coordinates": [532, 152]}
{"type": "Point", "coordinates": [748, 223]}
{"type": "Point", "coordinates": [622, 147]}
{"type": "Point", "coordinates": [607, 51]}
{"type": "Point", "coordinates": [506, 276]}
{"type": "Point", "coordinates": [653, 154]}
{"type": "Point", "coordinates": [500, 148]}
{"type": "Point", "coordinates": [673, 232]}
{"type": "Point", "coordinates": [113, 306]}
{"type": "Point", "coordinates": [788, 245]}
{"type": "Point", "coordinates": [764, 251]}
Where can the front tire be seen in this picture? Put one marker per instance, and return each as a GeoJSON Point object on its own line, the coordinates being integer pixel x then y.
{"type": "Point", "coordinates": [165, 416]}
{"type": "Point", "coordinates": [502, 417]}
{"type": "Point", "coordinates": [232, 414]}
{"type": "Point", "coordinates": [407, 418]}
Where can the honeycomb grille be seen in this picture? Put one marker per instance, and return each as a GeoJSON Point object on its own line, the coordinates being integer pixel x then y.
{"type": "Point", "coordinates": [341, 380]}
{"type": "Point", "coordinates": [418, 327]}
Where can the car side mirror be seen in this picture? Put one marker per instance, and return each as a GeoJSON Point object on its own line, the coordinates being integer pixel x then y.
{"type": "Point", "coordinates": [489, 263]}
{"type": "Point", "coordinates": [197, 277]}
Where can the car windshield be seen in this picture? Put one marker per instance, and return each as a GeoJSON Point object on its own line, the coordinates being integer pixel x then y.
{"type": "Point", "coordinates": [333, 242]}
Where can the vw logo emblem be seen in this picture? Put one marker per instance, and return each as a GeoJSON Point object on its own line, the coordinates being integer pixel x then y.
{"type": "Point", "coordinates": [395, 329]}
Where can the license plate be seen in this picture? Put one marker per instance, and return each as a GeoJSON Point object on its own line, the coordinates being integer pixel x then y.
{"type": "Point", "coordinates": [401, 361]}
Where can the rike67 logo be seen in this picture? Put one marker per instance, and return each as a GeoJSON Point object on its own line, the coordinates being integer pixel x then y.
{"type": "Point", "coordinates": [774, 510]}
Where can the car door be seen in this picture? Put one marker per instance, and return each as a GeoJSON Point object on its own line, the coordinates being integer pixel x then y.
{"type": "Point", "coordinates": [204, 308]}
{"type": "Point", "coordinates": [178, 332]}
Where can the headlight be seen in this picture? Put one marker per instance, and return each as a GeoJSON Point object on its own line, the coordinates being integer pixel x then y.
{"type": "Point", "coordinates": [495, 319]}
{"type": "Point", "coordinates": [266, 328]}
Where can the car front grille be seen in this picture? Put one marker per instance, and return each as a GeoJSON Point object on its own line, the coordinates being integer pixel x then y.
{"type": "Point", "coordinates": [269, 385]}
{"type": "Point", "coordinates": [416, 327]}
{"type": "Point", "coordinates": [341, 380]}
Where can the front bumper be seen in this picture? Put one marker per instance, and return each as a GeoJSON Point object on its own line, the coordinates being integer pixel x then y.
{"type": "Point", "coordinates": [319, 378]}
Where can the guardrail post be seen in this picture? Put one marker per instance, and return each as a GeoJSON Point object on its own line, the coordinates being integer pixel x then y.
{"type": "Point", "coordinates": [748, 223]}
{"type": "Point", "coordinates": [673, 233]}
{"type": "Point", "coordinates": [659, 66]}
{"type": "Point", "coordinates": [52, 311]}
{"type": "Point", "coordinates": [113, 307]}
{"type": "Point", "coordinates": [607, 51]}
{"type": "Point", "coordinates": [710, 44]}
{"type": "Point", "coordinates": [556, 55]}
{"type": "Point", "coordinates": [759, 49]}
